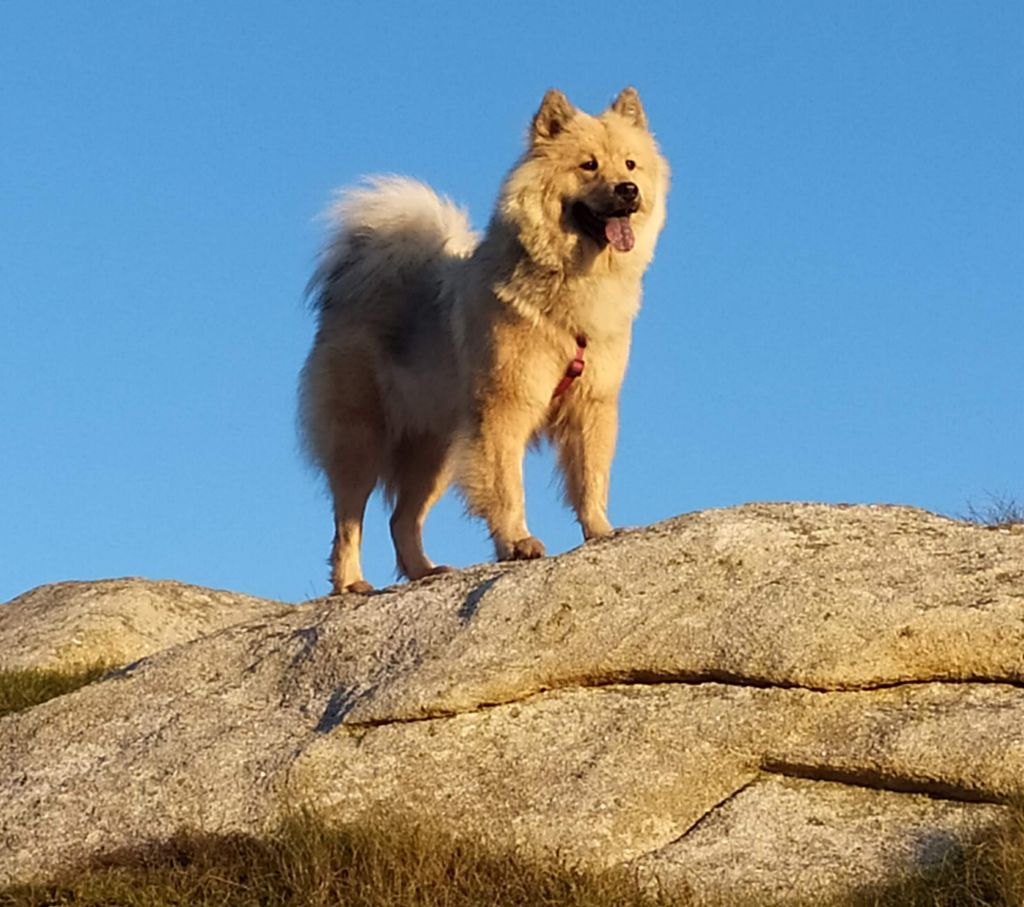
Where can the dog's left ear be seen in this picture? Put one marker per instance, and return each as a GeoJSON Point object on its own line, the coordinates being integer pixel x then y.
{"type": "Point", "coordinates": [555, 112]}
{"type": "Point", "coordinates": [628, 105]}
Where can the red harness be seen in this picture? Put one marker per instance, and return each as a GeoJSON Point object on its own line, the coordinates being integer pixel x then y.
{"type": "Point", "coordinates": [575, 368]}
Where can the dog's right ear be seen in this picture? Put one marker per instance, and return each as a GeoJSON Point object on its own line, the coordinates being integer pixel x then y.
{"type": "Point", "coordinates": [628, 105]}
{"type": "Point", "coordinates": [555, 111]}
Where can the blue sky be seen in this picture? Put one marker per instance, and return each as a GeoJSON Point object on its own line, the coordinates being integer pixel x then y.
{"type": "Point", "coordinates": [834, 312]}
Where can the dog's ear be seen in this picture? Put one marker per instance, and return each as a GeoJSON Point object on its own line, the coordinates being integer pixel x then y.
{"type": "Point", "coordinates": [628, 105]}
{"type": "Point", "coordinates": [555, 111]}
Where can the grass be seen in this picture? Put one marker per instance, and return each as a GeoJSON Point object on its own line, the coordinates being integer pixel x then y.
{"type": "Point", "coordinates": [998, 511]}
{"type": "Point", "coordinates": [307, 863]}
{"type": "Point", "coordinates": [987, 874]}
{"type": "Point", "coordinates": [23, 688]}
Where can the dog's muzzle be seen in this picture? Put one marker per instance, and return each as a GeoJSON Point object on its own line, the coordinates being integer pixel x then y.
{"type": "Point", "coordinates": [613, 225]}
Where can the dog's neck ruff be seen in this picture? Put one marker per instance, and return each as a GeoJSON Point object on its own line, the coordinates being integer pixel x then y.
{"type": "Point", "coordinates": [575, 368]}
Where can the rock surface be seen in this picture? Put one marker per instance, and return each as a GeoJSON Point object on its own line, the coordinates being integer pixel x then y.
{"type": "Point", "coordinates": [68, 625]}
{"type": "Point", "coordinates": [774, 701]}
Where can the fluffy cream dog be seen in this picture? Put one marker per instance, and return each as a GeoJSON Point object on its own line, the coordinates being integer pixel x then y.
{"type": "Point", "coordinates": [439, 355]}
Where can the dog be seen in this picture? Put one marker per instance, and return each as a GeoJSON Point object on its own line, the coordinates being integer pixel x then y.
{"type": "Point", "coordinates": [440, 355]}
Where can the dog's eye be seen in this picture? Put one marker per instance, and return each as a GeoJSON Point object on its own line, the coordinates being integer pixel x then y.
{"type": "Point", "coordinates": [630, 165]}
{"type": "Point", "coordinates": [589, 165]}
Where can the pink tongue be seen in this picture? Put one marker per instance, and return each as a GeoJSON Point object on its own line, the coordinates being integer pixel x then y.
{"type": "Point", "coordinates": [619, 233]}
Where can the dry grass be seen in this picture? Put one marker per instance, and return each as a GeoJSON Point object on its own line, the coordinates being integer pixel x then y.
{"type": "Point", "coordinates": [307, 864]}
{"type": "Point", "coordinates": [999, 511]}
{"type": "Point", "coordinates": [24, 688]}
{"type": "Point", "coordinates": [988, 874]}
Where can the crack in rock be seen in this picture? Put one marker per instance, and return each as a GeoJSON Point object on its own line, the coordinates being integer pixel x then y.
{"type": "Point", "coordinates": [878, 780]}
{"type": "Point", "coordinates": [654, 678]}
{"type": "Point", "coordinates": [711, 810]}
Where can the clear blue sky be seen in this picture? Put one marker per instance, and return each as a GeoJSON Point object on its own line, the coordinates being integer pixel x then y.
{"type": "Point", "coordinates": [834, 312]}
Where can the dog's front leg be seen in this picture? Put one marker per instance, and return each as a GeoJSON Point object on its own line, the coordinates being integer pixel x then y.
{"type": "Point", "coordinates": [584, 434]}
{"type": "Point", "coordinates": [491, 478]}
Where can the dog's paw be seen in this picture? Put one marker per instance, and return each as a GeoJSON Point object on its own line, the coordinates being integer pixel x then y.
{"type": "Point", "coordinates": [597, 529]}
{"type": "Point", "coordinates": [434, 572]}
{"type": "Point", "coordinates": [526, 549]}
{"type": "Point", "coordinates": [426, 572]}
{"type": "Point", "coordinates": [360, 587]}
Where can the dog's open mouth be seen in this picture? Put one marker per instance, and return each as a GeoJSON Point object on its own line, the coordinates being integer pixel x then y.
{"type": "Point", "coordinates": [613, 228]}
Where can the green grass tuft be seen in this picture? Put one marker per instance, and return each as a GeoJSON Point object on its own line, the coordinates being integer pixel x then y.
{"type": "Point", "coordinates": [23, 688]}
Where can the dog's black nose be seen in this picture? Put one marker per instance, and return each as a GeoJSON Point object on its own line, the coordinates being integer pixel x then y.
{"type": "Point", "coordinates": [628, 192]}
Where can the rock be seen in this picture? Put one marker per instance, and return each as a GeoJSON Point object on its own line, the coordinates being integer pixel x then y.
{"type": "Point", "coordinates": [777, 840]}
{"type": "Point", "coordinates": [69, 625]}
{"type": "Point", "coordinates": [774, 701]}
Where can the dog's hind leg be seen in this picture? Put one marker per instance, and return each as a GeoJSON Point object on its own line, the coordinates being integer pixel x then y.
{"type": "Point", "coordinates": [420, 475]}
{"type": "Point", "coordinates": [353, 474]}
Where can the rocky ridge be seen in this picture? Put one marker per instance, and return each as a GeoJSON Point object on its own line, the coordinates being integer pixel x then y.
{"type": "Point", "coordinates": [781, 701]}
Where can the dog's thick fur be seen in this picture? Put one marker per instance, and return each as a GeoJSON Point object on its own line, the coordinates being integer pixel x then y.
{"type": "Point", "coordinates": [437, 355]}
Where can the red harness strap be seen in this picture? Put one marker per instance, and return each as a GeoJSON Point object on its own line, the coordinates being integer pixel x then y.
{"type": "Point", "coordinates": [575, 368]}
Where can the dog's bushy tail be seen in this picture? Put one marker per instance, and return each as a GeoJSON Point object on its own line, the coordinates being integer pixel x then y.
{"type": "Point", "coordinates": [387, 232]}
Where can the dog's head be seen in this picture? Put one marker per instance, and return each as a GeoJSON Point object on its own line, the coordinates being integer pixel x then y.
{"type": "Point", "coordinates": [588, 186]}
